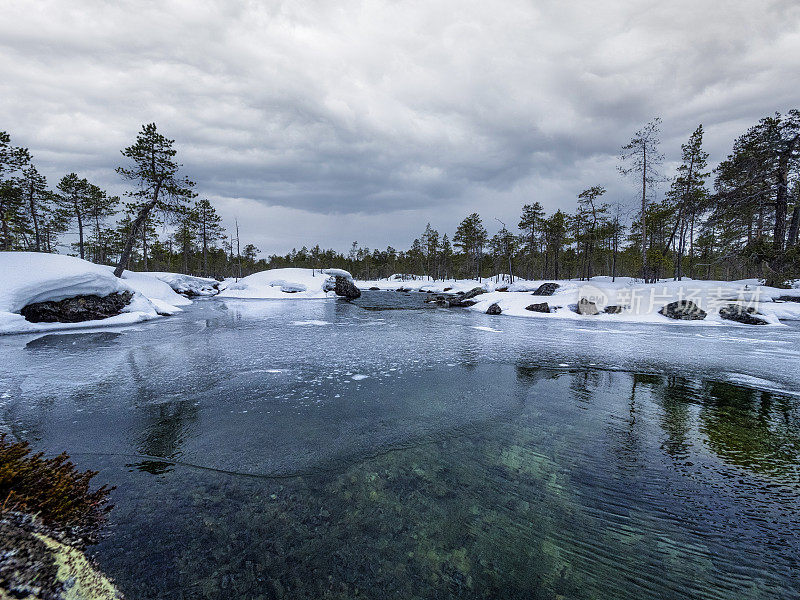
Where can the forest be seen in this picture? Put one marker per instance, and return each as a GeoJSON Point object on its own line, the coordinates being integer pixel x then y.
{"type": "Point", "coordinates": [738, 220]}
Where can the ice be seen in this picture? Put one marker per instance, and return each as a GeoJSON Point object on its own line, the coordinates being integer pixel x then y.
{"type": "Point", "coordinates": [311, 322]}
{"type": "Point", "coordinates": [485, 328]}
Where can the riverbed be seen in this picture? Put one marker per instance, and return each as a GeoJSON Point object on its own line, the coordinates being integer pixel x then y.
{"type": "Point", "coordinates": [386, 449]}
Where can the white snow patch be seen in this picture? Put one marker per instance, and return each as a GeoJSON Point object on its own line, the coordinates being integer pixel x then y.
{"type": "Point", "coordinates": [311, 322]}
{"type": "Point", "coordinates": [359, 377]}
{"type": "Point", "coordinates": [290, 284]}
{"type": "Point", "coordinates": [483, 328]}
{"type": "Point", "coordinates": [28, 277]}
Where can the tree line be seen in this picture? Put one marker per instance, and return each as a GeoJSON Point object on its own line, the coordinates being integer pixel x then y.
{"type": "Point", "coordinates": [161, 226]}
{"type": "Point", "coordinates": [740, 220]}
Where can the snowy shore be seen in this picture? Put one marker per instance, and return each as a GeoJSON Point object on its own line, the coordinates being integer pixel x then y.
{"type": "Point", "coordinates": [31, 277]}
{"type": "Point", "coordinates": [637, 302]}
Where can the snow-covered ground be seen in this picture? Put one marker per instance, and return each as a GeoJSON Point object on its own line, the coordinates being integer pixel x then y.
{"type": "Point", "coordinates": [285, 284]}
{"type": "Point", "coordinates": [640, 302]}
{"type": "Point", "coordinates": [188, 284]}
{"type": "Point", "coordinates": [28, 277]}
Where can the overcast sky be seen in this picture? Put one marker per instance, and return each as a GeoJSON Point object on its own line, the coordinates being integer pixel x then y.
{"type": "Point", "coordinates": [338, 121]}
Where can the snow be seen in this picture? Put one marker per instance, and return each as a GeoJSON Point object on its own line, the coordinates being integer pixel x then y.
{"type": "Point", "coordinates": [288, 284]}
{"type": "Point", "coordinates": [28, 277]}
{"type": "Point", "coordinates": [641, 301]}
{"type": "Point", "coordinates": [188, 284]}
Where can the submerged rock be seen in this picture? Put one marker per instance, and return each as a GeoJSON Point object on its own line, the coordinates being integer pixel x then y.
{"type": "Point", "coordinates": [612, 309]}
{"type": "Point", "coordinates": [546, 289]}
{"type": "Point", "coordinates": [741, 314]}
{"type": "Point", "coordinates": [494, 309]}
{"type": "Point", "coordinates": [346, 288]}
{"type": "Point", "coordinates": [541, 307]}
{"type": "Point", "coordinates": [586, 307]}
{"type": "Point", "coordinates": [684, 310]}
{"type": "Point", "coordinates": [77, 308]}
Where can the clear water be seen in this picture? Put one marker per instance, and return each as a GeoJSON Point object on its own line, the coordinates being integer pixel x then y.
{"type": "Point", "coordinates": [320, 449]}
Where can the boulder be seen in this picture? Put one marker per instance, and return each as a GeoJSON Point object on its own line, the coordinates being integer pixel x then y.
{"type": "Point", "coordinates": [586, 307]}
{"type": "Point", "coordinates": [613, 309]}
{"type": "Point", "coordinates": [741, 314]}
{"type": "Point", "coordinates": [541, 307]}
{"type": "Point", "coordinates": [788, 298]}
{"type": "Point", "coordinates": [374, 289]}
{"type": "Point", "coordinates": [346, 288]}
{"type": "Point", "coordinates": [684, 310]}
{"type": "Point", "coordinates": [476, 291]}
{"type": "Point", "coordinates": [494, 309]}
{"type": "Point", "coordinates": [77, 308]}
{"type": "Point", "coordinates": [546, 289]}
{"type": "Point", "coordinates": [503, 288]}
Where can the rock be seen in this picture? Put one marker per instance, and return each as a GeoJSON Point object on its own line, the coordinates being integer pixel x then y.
{"type": "Point", "coordinates": [346, 288]}
{"type": "Point", "coordinates": [374, 289]}
{"type": "Point", "coordinates": [476, 291]}
{"type": "Point", "coordinates": [501, 289]}
{"type": "Point", "coordinates": [586, 307]}
{"type": "Point", "coordinates": [741, 314]}
{"type": "Point", "coordinates": [613, 309]}
{"type": "Point", "coordinates": [684, 310]}
{"type": "Point", "coordinates": [447, 289]}
{"type": "Point", "coordinates": [494, 309]}
{"type": "Point", "coordinates": [788, 298]}
{"type": "Point", "coordinates": [39, 563]}
{"type": "Point", "coordinates": [77, 308]}
{"type": "Point", "coordinates": [541, 307]}
{"type": "Point", "coordinates": [546, 289]}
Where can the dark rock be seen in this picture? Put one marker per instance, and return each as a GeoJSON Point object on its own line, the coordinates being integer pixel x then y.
{"type": "Point", "coordinates": [788, 298]}
{"type": "Point", "coordinates": [741, 314]}
{"type": "Point", "coordinates": [374, 289]}
{"type": "Point", "coordinates": [541, 307]}
{"type": "Point", "coordinates": [586, 307]}
{"type": "Point", "coordinates": [613, 309]}
{"type": "Point", "coordinates": [494, 309]}
{"type": "Point", "coordinates": [447, 289]}
{"type": "Point", "coordinates": [77, 308]}
{"type": "Point", "coordinates": [501, 289]}
{"type": "Point", "coordinates": [346, 288]}
{"type": "Point", "coordinates": [546, 289]}
{"type": "Point", "coordinates": [684, 310]}
{"type": "Point", "coordinates": [476, 291]}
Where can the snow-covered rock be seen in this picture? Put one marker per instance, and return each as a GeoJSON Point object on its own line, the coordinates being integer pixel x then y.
{"type": "Point", "coordinates": [626, 298]}
{"type": "Point", "coordinates": [31, 277]}
{"type": "Point", "coordinates": [284, 284]}
{"type": "Point", "coordinates": [188, 285]}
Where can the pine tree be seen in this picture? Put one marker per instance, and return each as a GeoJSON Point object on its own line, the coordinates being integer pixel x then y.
{"type": "Point", "coordinates": [471, 237]}
{"type": "Point", "coordinates": [530, 223]}
{"type": "Point", "coordinates": [73, 199]}
{"type": "Point", "coordinates": [210, 228]}
{"type": "Point", "coordinates": [13, 216]}
{"type": "Point", "coordinates": [34, 188]}
{"type": "Point", "coordinates": [155, 171]}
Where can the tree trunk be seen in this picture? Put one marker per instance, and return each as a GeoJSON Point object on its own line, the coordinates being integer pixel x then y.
{"type": "Point", "coordinates": [144, 245]}
{"type": "Point", "coordinates": [35, 218]}
{"type": "Point", "coordinates": [781, 205]}
{"type": "Point", "coordinates": [644, 210]}
{"type": "Point", "coordinates": [144, 212]}
{"type": "Point", "coordinates": [794, 228]}
{"type": "Point", "coordinates": [80, 232]}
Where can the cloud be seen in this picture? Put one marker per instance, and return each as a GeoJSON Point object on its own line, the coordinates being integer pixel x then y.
{"type": "Point", "coordinates": [377, 117]}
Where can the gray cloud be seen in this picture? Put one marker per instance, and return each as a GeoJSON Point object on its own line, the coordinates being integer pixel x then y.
{"type": "Point", "coordinates": [332, 121]}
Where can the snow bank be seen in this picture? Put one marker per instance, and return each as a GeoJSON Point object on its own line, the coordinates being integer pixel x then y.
{"type": "Point", "coordinates": [289, 284]}
{"type": "Point", "coordinates": [188, 284]}
{"type": "Point", "coordinates": [640, 302]}
{"type": "Point", "coordinates": [28, 277]}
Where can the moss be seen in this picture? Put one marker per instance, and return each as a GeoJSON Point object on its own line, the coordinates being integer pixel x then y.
{"type": "Point", "coordinates": [53, 489]}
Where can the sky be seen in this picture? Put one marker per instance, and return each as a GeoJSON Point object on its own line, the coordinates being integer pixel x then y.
{"type": "Point", "coordinates": [338, 121]}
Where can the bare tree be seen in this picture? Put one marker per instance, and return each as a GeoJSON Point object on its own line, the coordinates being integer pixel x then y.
{"type": "Point", "coordinates": [640, 157]}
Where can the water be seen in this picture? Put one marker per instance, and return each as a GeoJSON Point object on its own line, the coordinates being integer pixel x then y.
{"type": "Point", "coordinates": [382, 449]}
